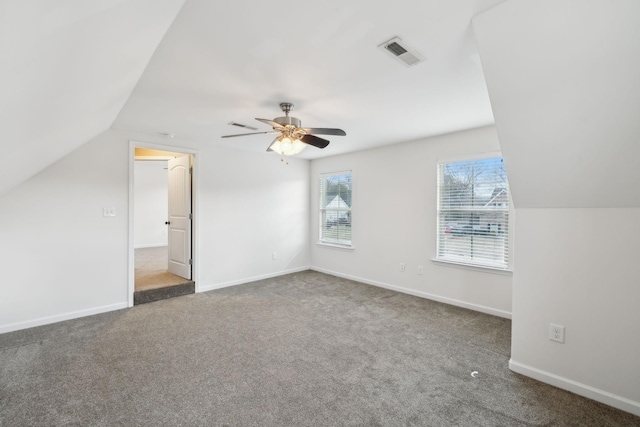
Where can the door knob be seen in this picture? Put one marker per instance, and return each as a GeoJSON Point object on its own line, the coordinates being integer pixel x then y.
{"type": "Point", "coordinates": [167, 222]}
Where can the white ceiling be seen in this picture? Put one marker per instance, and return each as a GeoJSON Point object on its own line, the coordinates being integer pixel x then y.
{"type": "Point", "coordinates": [564, 85]}
{"type": "Point", "coordinates": [235, 61]}
{"type": "Point", "coordinates": [70, 66]}
{"type": "Point", "coordinates": [67, 68]}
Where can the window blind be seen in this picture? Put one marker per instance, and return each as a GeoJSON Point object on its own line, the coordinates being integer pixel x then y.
{"type": "Point", "coordinates": [335, 208]}
{"type": "Point", "coordinates": [473, 213]}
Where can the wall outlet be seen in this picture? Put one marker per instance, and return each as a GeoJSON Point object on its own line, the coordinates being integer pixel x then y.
{"type": "Point", "coordinates": [420, 270]}
{"type": "Point", "coordinates": [402, 266]}
{"type": "Point", "coordinates": [556, 333]}
{"type": "Point", "coordinates": [274, 256]}
{"type": "Point", "coordinates": [108, 211]}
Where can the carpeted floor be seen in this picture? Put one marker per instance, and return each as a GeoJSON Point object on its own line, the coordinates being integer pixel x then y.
{"type": "Point", "coordinates": [151, 269]}
{"type": "Point", "coordinates": [306, 349]}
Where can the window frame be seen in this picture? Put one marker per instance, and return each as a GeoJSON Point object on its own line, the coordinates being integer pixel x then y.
{"type": "Point", "coordinates": [508, 240]}
{"type": "Point", "coordinates": [322, 209]}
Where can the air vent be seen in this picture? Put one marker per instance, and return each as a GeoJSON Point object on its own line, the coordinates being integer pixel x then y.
{"type": "Point", "coordinates": [396, 49]}
{"type": "Point", "coordinates": [240, 125]}
{"type": "Point", "coordinates": [402, 51]}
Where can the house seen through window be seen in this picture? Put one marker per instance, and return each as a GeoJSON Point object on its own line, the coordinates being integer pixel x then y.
{"type": "Point", "coordinates": [335, 208]}
{"type": "Point", "coordinates": [473, 213]}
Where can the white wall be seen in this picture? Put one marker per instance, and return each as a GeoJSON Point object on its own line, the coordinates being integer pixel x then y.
{"type": "Point", "coordinates": [564, 88]}
{"type": "Point", "coordinates": [62, 259]}
{"type": "Point", "coordinates": [251, 205]}
{"type": "Point", "coordinates": [394, 221]}
{"type": "Point", "coordinates": [150, 203]}
{"type": "Point", "coordinates": [579, 268]}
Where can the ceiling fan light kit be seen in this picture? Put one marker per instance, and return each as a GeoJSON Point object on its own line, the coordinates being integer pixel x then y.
{"type": "Point", "coordinates": [286, 146]}
{"type": "Point", "coordinates": [292, 138]}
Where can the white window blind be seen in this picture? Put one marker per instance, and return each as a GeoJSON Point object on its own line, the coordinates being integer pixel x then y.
{"type": "Point", "coordinates": [473, 213]}
{"type": "Point", "coordinates": [335, 208]}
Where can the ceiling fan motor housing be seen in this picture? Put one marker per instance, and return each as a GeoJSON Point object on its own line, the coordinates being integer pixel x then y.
{"type": "Point", "coordinates": [287, 121]}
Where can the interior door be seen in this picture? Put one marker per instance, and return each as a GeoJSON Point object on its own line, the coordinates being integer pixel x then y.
{"type": "Point", "coordinates": [179, 222]}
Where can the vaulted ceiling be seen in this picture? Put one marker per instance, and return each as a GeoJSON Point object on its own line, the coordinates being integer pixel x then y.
{"type": "Point", "coordinates": [563, 79]}
{"type": "Point", "coordinates": [235, 61]}
{"type": "Point", "coordinates": [68, 67]}
{"type": "Point", "coordinates": [72, 69]}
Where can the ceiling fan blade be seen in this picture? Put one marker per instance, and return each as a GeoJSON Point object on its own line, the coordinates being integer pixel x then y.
{"type": "Point", "coordinates": [324, 131]}
{"type": "Point", "coordinates": [271, 143]}
{"type": "Point", "coordinates": [271, 123]}
{"type": "Point", "coordinates": [315, 141]}
{"type": "Point", "coordinates": [245, 134]}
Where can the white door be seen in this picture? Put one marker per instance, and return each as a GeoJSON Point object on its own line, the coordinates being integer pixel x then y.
{"type": "Point", "coordinates": [180, 217]}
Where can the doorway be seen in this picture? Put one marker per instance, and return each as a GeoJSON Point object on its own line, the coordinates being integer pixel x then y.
{"type": "Point", "coordinates": [161, 250]}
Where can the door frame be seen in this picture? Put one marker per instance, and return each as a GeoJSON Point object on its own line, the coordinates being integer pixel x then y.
{"type": "Point", "coordinates": [195, 223]}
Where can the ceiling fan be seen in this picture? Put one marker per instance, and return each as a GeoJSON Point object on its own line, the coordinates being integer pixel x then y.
{"type": "Point", "coordinates": [292, 138]}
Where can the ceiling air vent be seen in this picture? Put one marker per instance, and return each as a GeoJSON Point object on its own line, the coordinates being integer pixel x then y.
{"type": "Point", "coordinates": [402, 51]}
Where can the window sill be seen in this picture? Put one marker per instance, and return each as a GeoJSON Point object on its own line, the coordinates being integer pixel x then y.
{"type": "Point", "coordinates": [336, 245]}
{"type": "Point", "coordinates": [473, 267]}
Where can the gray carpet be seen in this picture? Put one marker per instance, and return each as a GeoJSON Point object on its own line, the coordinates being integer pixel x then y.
{"type": "Point", "coordinates": [304, 349]}
{"type": "Point", "coordinates": [157, 294]}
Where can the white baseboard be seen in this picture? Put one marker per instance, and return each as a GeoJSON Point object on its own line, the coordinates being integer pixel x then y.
{"type": "Point", "coordinates": [451, 301]}
{"type": "Point", "coordinates": [602, 396]}
{"type": "Point", "coordinates": [151, 245]}
{"type": "Point", "coordinates": [60, 317]}
{"type": "Point", "coordinates": [205, 288]}
{"type": "Point", "coordinates": [97, 310]}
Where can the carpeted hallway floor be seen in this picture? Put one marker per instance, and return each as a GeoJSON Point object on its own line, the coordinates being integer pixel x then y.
{"type": "Point", "coordinates": [151, 269]}
{"type": "Point", "coordinates": [306, 349]}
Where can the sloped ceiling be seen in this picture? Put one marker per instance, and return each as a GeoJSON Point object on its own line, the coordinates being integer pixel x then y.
{"type": "Point", "coordinates": [235, 61]}
{"type": "Point", "coordinates": [68, 67]}
{"type": "Point", "coordinates": [563, 76]}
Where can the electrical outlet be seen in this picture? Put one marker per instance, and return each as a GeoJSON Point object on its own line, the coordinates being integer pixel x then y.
{"type": "Point", "coordinates": [556, 333]}
{"type": "Point", "coordinates": [108, 211]}
{"type": "Point", "coordinates": [420, 270]}
{"type": "Point", "coordinates": [402, 266]}
{"type": "Point", "coordinates": [274, 256]}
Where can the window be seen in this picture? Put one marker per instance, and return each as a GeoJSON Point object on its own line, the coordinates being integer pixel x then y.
{"type": "Point", "coordinates": [473, 213]}
{"type": "Point", "coordinates": [335, 208]}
